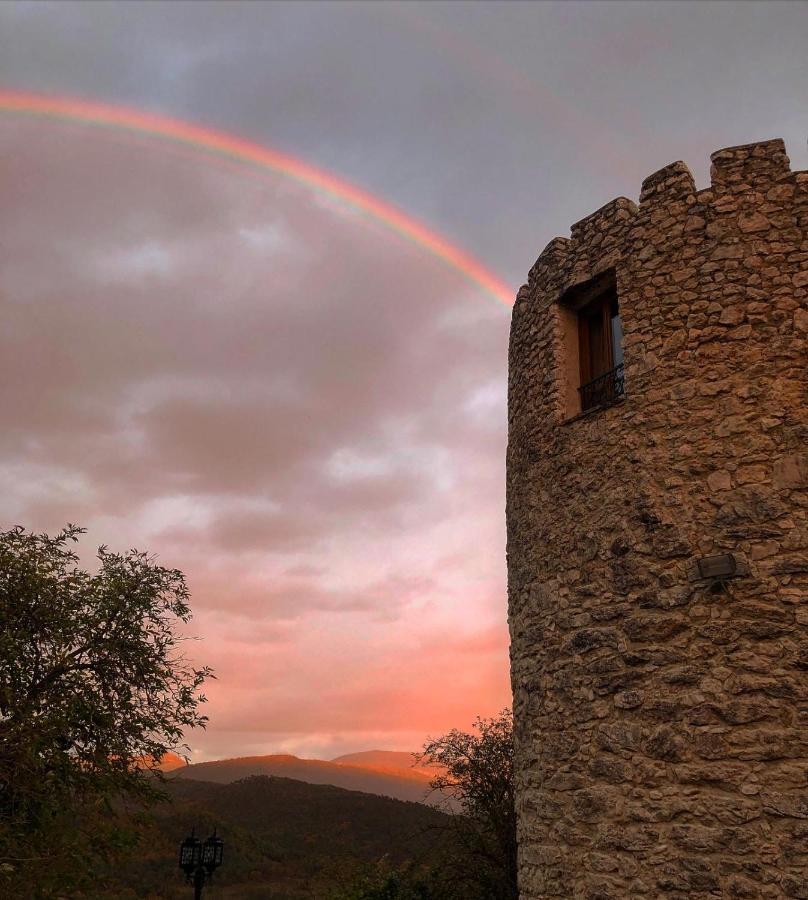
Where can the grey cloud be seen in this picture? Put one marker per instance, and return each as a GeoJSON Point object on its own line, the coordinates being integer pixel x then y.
{"type": "Point", "coordinates": [502, 123]}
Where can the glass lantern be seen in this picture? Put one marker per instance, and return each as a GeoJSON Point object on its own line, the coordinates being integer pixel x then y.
{"type": "Point", "coordinates": [212, 853]}
{"type": "Point", "coordinates": [190, 854]}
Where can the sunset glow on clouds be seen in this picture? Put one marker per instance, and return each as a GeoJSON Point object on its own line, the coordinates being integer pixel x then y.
{"type": "Point", "coordinates": [275, 392]}
{"type": "Point", "coordinates": [299, 409]}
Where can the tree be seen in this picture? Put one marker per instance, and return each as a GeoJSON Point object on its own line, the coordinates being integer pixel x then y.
{"type": "Point", "coordinates": [476, 782]}
{"type": "Point", "coordinates": [381, 882]}
{"type": "Point", "coordinates": [93, 689]}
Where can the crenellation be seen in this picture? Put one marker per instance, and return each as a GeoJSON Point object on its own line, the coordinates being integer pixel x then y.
{"type": "Point", "coordinates": [549, 259]}
{"type": "Point", "coordinates": [672, 182]}
{"type": "Point", "coordinates": [742, 168]}
{"type": "Point", "coordinates": [591, 227]}
{"type": "Point", "coordinates": [595, 238]}
{"type": "Point", "coordinates": [659, 718]}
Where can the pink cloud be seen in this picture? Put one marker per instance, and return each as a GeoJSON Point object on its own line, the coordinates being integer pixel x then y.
{"type": "Point", "coordinates": [297, 408]}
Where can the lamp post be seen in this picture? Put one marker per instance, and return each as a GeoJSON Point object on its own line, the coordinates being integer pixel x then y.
{"type": "Point", "coordinates": [199, 859]}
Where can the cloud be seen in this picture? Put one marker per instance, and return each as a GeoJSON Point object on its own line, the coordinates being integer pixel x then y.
{"type": "Point", "coordinates": [281, 404]}
{"type": "Point", "coordinates": [148, 260]}
{"type": "Point", "coordinates": [421, 683]}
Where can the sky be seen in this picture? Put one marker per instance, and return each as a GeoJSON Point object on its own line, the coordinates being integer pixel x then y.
{"type": "Point", "coordinates": [273, 390]}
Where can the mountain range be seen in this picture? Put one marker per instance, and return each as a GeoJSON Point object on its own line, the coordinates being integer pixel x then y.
{"type": "Point", "coordinates": [387, 773]}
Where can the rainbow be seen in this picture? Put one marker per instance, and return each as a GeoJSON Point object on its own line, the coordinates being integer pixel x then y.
{"type": "Point", "coordinates": [228, 146]}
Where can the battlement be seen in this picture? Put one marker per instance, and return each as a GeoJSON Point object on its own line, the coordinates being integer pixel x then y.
{"type": "Point", "coordinates": [752, 173]}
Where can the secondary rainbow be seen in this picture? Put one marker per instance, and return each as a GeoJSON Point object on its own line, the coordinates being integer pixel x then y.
{"type": "Point", "coordinates": [223, 144]}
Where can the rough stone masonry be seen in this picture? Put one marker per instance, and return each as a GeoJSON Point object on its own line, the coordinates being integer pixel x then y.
{"type": "Point", "coordinates": [661, 710]}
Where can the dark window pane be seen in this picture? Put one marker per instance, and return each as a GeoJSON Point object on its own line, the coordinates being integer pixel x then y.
{"type": "Point", "coordinates": [617, 340]}
{"type": "Point", "coordinates": [595, 318]}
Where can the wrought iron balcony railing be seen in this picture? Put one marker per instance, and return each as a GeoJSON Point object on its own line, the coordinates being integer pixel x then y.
{"type": "Point", "coordinates": [602, 390]}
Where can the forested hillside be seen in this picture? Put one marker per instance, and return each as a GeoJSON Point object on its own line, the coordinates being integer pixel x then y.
{"type": "Point", "coordinates": [283, 839]}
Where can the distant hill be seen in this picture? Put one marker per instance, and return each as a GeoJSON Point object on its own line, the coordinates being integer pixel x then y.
{"type": "Point", "coordinates": [284, 839]}
{"type": "Point", "coordinates": [398, 782]}
{"type": "Point", "coordinates": [170, 761]}
{"type": "Point", "coordinates": [387, 761]}
{"type": "Point", "coordinates": [399, 759]}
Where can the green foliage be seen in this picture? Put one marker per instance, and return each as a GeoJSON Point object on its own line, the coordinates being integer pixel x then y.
{"type": "Point", "coordinates": [380, 882]}
{"type": "Point", "coordinates": [477, 775]}
{"type": "Point", "coordinates": [93, 691]}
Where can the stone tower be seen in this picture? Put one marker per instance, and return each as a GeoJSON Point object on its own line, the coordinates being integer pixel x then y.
{"type": "Point", "coordinates": [658, 542]}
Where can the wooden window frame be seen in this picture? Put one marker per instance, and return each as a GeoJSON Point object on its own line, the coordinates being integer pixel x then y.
{"type": "Point", "coordinates": [604, 304]}
{"type": "Point", "coordinates": [578, 307]}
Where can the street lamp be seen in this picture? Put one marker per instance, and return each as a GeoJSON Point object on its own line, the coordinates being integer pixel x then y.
{"type": "Point", "coordinates": [200, 859]}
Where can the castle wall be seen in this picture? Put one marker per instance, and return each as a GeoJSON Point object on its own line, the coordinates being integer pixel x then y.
{"type": "Point", "coordinates": [661, 724]}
